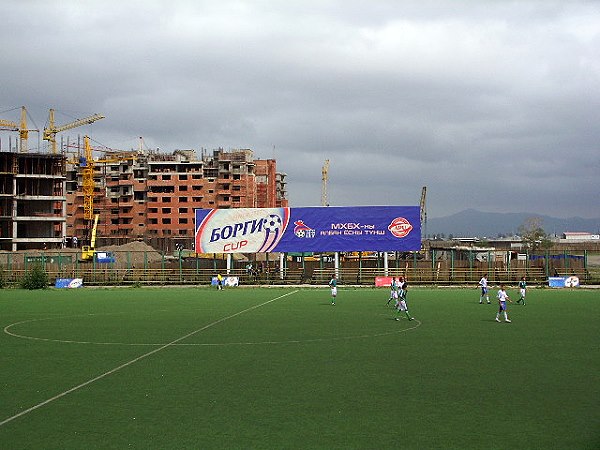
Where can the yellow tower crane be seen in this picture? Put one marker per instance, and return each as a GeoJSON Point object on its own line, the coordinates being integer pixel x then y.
{"type": "Point", "coordinates": [87, 164]}
{"type": "Point", "coordinates": [52, 129]}
{"type": "Point", "coordinates": [324, 179]}
{"type": "Point", "coordinates": [21, 128]}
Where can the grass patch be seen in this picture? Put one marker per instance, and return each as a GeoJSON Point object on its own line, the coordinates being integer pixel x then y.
{"type": "Point", "coordinates": [282, 368]}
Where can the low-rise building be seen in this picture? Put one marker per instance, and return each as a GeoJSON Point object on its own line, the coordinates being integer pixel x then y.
{"type": "Point", "coordinates": [572, 236]}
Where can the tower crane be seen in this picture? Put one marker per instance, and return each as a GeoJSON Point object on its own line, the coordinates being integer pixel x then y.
{"type": "Point", "coordinates": [87, 164]}
{"type": "Point", "coordinates": [21, 128]}
{"type": "Point", "coordinates": [423, 210]}
{"type": "Point", "coordinates": [52, 129]}
{"type": "Point", "coordinates": [325, 178]}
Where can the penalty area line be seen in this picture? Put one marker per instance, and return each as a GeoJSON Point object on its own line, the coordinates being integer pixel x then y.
{"type": "Point", "coordinates": [139, 358]}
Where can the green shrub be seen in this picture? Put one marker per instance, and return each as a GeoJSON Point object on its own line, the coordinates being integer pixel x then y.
{"type": "Point", "coordinates": [36, 278]}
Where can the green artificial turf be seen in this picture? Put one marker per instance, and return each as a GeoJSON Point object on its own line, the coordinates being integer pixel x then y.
{"type": "Point", "coordinates": [174, 368]}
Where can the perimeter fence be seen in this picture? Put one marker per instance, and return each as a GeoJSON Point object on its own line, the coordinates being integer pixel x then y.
{"type": "Point", "coordinates": [154, 268]}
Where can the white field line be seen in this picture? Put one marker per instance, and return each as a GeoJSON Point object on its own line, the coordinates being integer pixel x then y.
{"type": "Point", "coordinates": [207, 344]}
{"type": "Point", "coordinates": [139, 358]}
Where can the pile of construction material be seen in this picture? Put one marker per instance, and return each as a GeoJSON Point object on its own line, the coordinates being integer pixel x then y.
{"type": "Point", "coordinates": [134, 254]}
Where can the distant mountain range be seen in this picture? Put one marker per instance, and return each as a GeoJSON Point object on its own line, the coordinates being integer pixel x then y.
{"type": "Point", "coordinates": [470, 223]}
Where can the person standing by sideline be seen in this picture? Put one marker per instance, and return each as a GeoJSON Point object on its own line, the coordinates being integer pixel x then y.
{"type": "Point", "coordinates": [483, 284]}
{"type": "Point", "coordinates": [219, 282]}
{"type": "Point", "coordinates": [522, 291]}
{"type": "Point", "coordinates": [502, 298]}
{"type": "Point", "coordinates": [333, 286]}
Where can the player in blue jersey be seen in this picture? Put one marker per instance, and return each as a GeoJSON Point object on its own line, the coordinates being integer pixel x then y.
{"type": "Point", "coordinates": [333, 286]}
{"type": "Point", "coordinates": [502, 299]}
{"type": "Point", "coordinates": [483, 284]}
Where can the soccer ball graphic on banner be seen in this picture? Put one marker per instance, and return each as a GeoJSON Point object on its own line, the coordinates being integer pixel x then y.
{"type": "Point", "coordinates": [272, 223]}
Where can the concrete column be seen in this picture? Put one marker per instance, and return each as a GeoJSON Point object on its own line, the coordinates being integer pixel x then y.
{"type": "Point", "coordinates": [385, 263]}
{"type": "Point", "coordinates": [336, 263]}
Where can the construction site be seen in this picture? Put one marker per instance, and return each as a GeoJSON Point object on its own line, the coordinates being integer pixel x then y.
{"type": "Point", "coordinates": [114, 216]}
{"type": "Point", "coordinates": [63, 196]}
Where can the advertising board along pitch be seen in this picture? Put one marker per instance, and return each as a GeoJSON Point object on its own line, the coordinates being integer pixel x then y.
{"type": "Point", "coordinates": [310, 229]}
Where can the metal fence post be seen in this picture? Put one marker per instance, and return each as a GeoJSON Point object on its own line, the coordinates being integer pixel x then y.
{"type": "Point", "coordinates": [180, 267]}
{"type": "Point", "coordinates": [470, 265]}
{"type": "Point", "coordinates": [360, 267]}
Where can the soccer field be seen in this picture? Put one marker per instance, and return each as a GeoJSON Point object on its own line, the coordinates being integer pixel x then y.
{"type": "Point", "coordinates": [177, 368]}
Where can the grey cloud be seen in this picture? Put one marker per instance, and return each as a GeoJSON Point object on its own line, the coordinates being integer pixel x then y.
{"type": "Point", "coordinates": [490, 104]}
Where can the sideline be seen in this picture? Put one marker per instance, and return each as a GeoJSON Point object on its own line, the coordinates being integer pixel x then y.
{"type": "Point", "coordinates": [139, 358]}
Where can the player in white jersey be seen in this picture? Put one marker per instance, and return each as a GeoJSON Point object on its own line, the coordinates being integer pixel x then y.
{"type": "Point", "coordinates": [401, 305]}
{"type": "Point", "coordinates": [399, 292]}
{"type": "Point", "coordinates": [483, 284]}
{"type": "Point", "coordinates": [393, 291]}
{"type": "Point", "coordinates": [502, 299]}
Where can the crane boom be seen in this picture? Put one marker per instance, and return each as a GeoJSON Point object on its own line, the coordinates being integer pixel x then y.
{"type": "Point", "coordinates": [52, 129]}
{"type": "Point", "coordinates": [20, 127]}
{"type": "Point", "coordinates": [8, 125]}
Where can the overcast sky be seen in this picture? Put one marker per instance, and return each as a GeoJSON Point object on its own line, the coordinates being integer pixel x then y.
{"type": "Point", "coordinates": [492, 105]}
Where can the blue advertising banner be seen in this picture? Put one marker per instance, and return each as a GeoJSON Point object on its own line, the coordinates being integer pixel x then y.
{"type": "Point", "coordinates": [314, 229]}
{"type": "Point", "coordinates": [68, 283]}
{"type": "Point", "coordinates": [562, 282]}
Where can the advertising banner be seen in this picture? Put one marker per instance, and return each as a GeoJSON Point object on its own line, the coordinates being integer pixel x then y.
{"type": "Point", "coordinates": [563, 282]}
{"type": "Point", "coordinates": [383, 281]}
{"type": "Point", "coordinates": [227, 281]}
{"type": "Point", "coordinates": [313, 229]}
{"type": "Point", "coordinates": [68, 283]}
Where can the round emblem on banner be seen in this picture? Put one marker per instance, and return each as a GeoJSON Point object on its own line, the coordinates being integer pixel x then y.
{"type": "Point", "coordinates": [272, 223]}
{"type": "Point", "coordinates": [76, 283]}
{"type": "Point", "coordinates": [572, 281]}
{"type": "Point", "coordinates": [400, 227]}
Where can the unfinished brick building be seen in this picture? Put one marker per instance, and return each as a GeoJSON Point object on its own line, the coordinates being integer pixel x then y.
{"type": "Point", "coordinates": [32, 201]}
{"type": "Point", "coordinates": [152, 196]}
